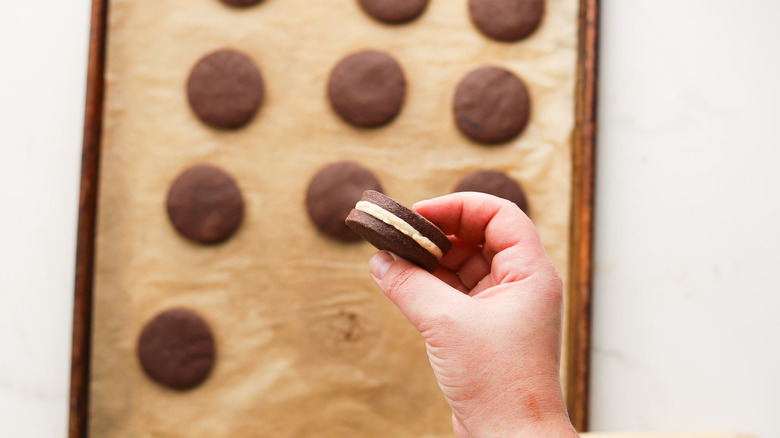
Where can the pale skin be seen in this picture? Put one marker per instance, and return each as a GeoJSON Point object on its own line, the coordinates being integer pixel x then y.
{"type": "Point", "coordinates": [490, 316]}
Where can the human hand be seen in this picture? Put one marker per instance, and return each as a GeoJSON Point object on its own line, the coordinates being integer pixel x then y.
{"type": "Point", "coordinates": [490, 316]}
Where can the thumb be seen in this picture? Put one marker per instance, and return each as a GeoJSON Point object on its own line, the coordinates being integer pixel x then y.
{"type": "Point", "coordinates": [418, 294]}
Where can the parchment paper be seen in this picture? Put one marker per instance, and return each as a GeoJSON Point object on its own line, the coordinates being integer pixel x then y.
{"type": "Point", "coordinates": [307, 346]}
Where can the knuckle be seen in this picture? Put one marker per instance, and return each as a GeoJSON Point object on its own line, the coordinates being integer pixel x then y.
{"type": "Point", "coordinates": [437, 323]}
{"type": "Point", "coordinates": [556, 281]}
{"type": "Point", "coordinates": [553, 284]}
{"type": "Point", "coordinates": [400, 282]}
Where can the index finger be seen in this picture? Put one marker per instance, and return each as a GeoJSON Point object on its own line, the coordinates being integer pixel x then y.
{"type": "Point", "coordinates": [483, 219]}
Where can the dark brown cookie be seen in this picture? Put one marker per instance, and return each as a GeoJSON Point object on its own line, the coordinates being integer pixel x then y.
{"type": "Point", "coordinates": [225, 89]}
{"type": "Point", "coordinates": [494, 183]}
{"type": "Point", "coordinates": [176, 349]}
{"type": "Point", "coordinates": [491, 105]}
{"type": "Point", "coordinates": [241, 3]}
{"type": "Point", "coordinates": [205, 204]}
{"type": "Point", "coordinates": [332, 193]}
{"type": "Point", "coordinates": [386, 224]}
{"type": "Point", "coordinates": [394, 11]}
{"type": "Point", "coordinates": [506, 20]}
{"type": "Point", "coordinates": [367, 89]}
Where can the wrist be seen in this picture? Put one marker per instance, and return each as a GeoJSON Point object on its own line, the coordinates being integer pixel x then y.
{"type": "Point", "coordinates": [524, 413]}
{"type": "Point", "coordinates": [559, 427]}
{"type": "Point", "coordinates": [551, 427]}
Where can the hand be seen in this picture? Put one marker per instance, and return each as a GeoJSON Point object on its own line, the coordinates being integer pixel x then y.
{"type": "Point", "coordinates": [490, 316]}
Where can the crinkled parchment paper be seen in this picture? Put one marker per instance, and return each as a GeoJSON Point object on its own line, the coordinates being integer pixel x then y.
{"type": "Point", "coordinates": [307, 346]}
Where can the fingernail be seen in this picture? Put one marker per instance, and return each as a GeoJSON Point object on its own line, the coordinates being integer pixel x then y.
{"type": "Point", "coordinates": [416, 204]}
{"type": "Point", "coordinates": [380, 263]}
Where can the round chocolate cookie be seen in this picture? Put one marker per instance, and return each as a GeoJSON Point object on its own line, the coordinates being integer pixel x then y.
{"type": "Point", "coordinates": [176, 349]}
{"type": "Point", "coordinates": [225, 89]}
{"type": "Point", "coordinates": [491, 105]}
{"type": "Point", "coordinates": [506, 20]}
{"type": "Point", "coordinates": [332, 194]}
{"type": "Point", "coordinates": [205, 204]}
{"type": "Point", "coordinates": [494, 183]}
{"type": "Point", "coordinates": [394, 11]}
{"type": "Point", "coordinates": [386, 224]}
{"type": "Point", "coordinates": [241, 3]}
{"type": "Point", "coordinates": [367, 89]}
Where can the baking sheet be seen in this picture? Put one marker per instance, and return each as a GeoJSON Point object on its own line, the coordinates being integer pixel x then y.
{"type": "Point", "coordinates": [306, 344]}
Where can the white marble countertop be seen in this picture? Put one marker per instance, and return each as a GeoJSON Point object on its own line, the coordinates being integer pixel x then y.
{"type": "Point", "coordinates": [685, 326]}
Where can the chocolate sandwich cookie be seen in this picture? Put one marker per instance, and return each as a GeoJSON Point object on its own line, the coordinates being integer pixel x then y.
{"type": "Point", "coordinates": [367, 89]}
{"type": "Point", "coordinates": [494, 183]}
{"type": "Point", "coordinates": [506, 20]}
{"type": "Point", "coordinates": [491, 105]}
{"type": "Point", "coordinates": [394, 11]}
{"type": "Point", "coordinates": [176, 349]}
{"type": "Point", "coordinates": [225, 89]}
{"type": "Point", "coordinates": [332, 193]}
{"type": "Point", "coordinates": [388, 225]}
{"type": "Point", "coordinates": [205, 204]}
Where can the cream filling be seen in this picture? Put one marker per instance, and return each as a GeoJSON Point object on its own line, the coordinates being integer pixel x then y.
{"type": "Point", "coordinates": [400, 225]}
